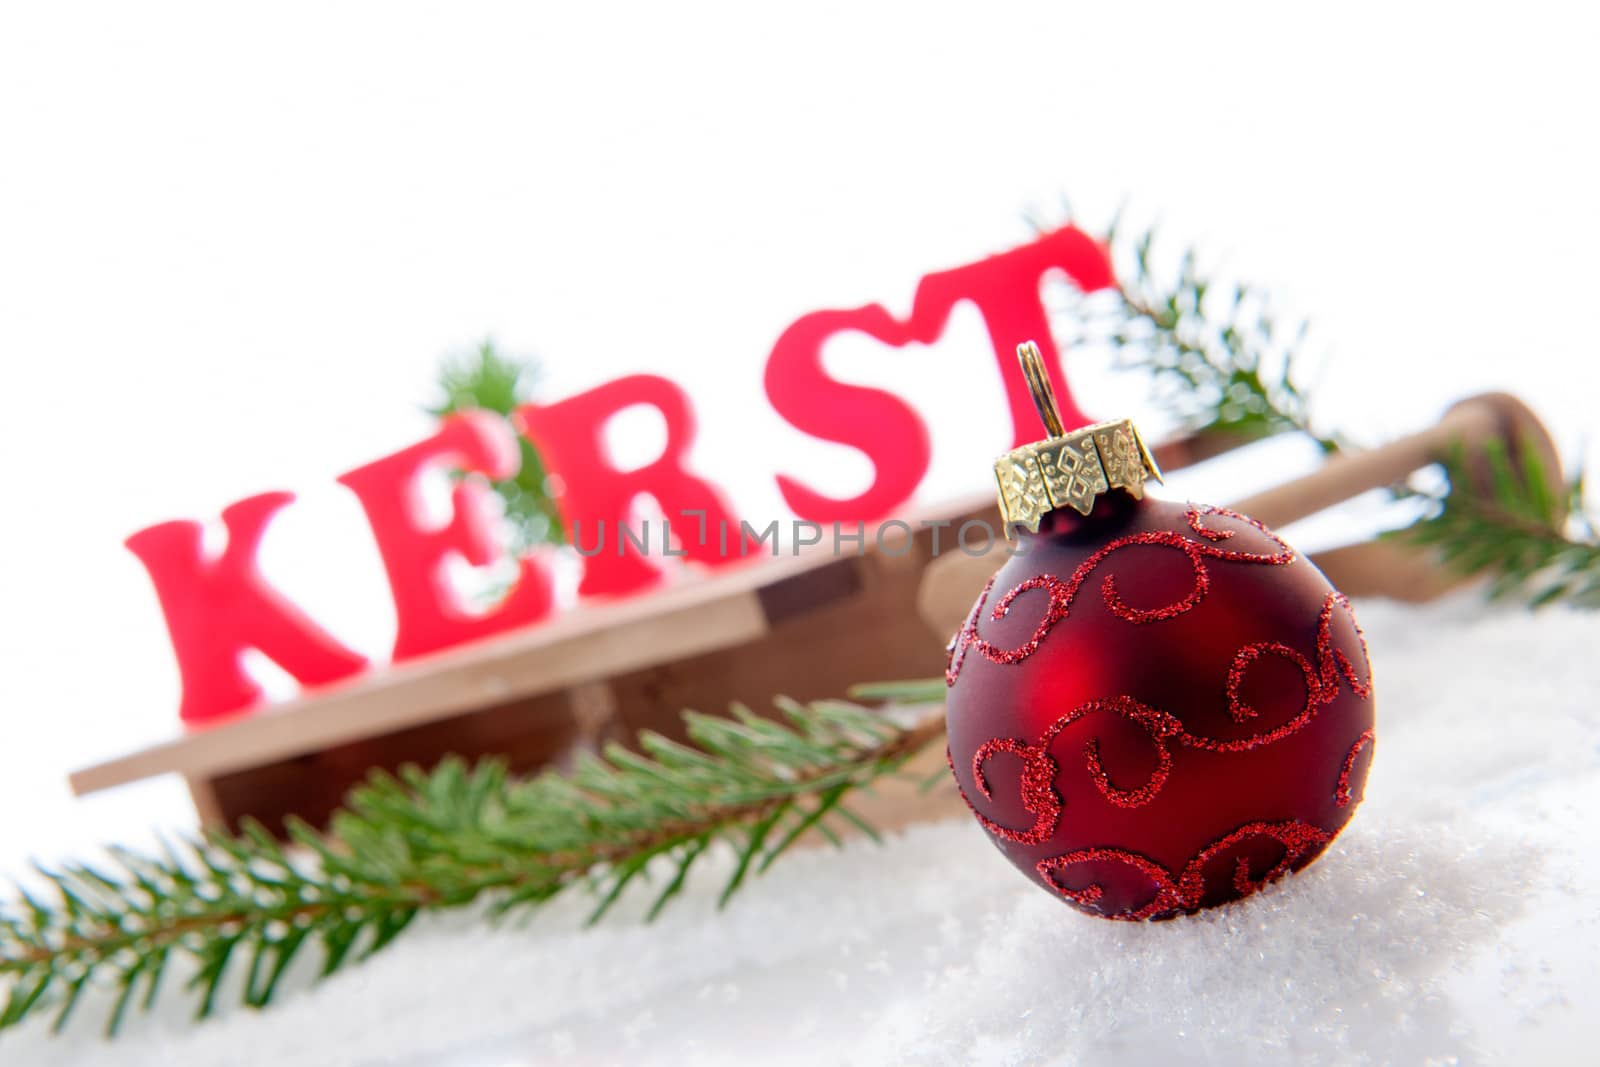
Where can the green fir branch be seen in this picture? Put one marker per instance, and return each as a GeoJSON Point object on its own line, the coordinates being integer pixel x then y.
{"type": "Point", "coordinates": [241, 909]}
{"type": "Point", "coordinates": [1221, 357]}
{"type": "Point", "coordinates": [488, 381]}
{"type": "Point", "coordinates": [1223, 362]}
{"type": "Point", "coordinates": [1498, 518]}
{"type": "Point", "coordinates": [247, 904]}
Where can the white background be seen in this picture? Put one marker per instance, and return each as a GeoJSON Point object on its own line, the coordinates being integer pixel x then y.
{"type": "Point", "coordinates": [234, 241]}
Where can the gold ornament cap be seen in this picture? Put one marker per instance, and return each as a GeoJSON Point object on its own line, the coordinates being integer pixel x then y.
{"type": "Point", "coordinates": [1067, 469]}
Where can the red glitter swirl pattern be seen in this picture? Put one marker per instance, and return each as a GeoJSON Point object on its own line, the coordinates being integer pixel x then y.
{"type": "Point", "coordinates": [1297, 838]}
{"type": "Point", "coordinates": [1241, 711]}
{"type": "Point", "coordinates": [1039, 797]}
{"type": "Point", "coordinates": [1158, 724]}
{"type": "Point", "coordinates": [1248, 655]}
{"type": "Point", "coordinates": [1185, 892]}
{"type": "Point", "coordinates": [1285, 554]}
{"type": "Point", "coordinates": [956, 650]}
{"type": "Point", "coordinates": [1037, 785]}
{"type": "Point", "coordinates": [1329, 657]}
{"type": "Point", "coordinates": [1167, 899]}
{"type": "Point", "coordinates": [1139, 616]}
{"type": "Point", "coordinates": [1062, 592]}
{"type": "Point", "coordinates": [1322, 681]}
{"type": "Point", "coordinates": [1341, 791]}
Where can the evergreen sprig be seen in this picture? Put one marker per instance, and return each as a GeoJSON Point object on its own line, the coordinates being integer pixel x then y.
{"type": "Point", "coordinates": [426, 841]}
{"type": "Point", "coordinates": [1223, 361]}
{"type": "Point", "coordinates": [1222, 357]}
{"type": "Point", "coordinates": [486, 380]}
{"type": "Point", "coordinates": [1497, 516]}
{"type": "Point", "coordinates": [244, 907]}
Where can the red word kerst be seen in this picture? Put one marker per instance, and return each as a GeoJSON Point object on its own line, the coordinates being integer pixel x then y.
{"type": "Point", "coordinates": [219, 606]}
{"type": "Point", "coordinates": [1005, 289]}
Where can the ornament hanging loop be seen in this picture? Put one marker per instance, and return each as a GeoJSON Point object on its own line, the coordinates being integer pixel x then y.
{"type": "Point", "coordinates": [1044, 394]}
{"type": "Point", "coordinates": [1067, 470]}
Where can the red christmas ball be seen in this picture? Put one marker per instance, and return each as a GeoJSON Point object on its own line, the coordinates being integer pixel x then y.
{"type": "Point", "coordinates": [1157, 708]}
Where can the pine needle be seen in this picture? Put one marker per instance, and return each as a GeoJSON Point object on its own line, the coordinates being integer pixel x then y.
{"type": "Point", "coordinates": [1515, 533]}
{"type": "Point", "coordinates": [1224, 362]}
{"type": "Point", "coordinates": [1220, 355]}
{"type": "Point", "coordinates": [486, 380]}
{"type": "Point", "coordinates": [426, 841]}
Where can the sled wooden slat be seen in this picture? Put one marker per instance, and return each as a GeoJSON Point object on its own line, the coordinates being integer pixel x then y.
{"type": "Point", "coordinates": [596, 673]}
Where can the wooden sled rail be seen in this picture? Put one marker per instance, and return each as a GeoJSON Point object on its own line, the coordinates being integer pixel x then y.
{"type": "Point", "coordinates": [807, 627]}
{"type": "Point", "coordinates": [1370, 568]}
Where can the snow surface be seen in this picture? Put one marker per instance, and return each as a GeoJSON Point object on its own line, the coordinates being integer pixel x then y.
{"type": "Point", "coordinates": [1455, 920]}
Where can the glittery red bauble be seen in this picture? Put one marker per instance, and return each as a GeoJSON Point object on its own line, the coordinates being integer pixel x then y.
{"type": "Point", "coordinates": [1159, 708]}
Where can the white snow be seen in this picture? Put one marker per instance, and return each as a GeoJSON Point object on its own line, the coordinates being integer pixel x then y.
{"type": "Point", "coordinates": [1455, 920]}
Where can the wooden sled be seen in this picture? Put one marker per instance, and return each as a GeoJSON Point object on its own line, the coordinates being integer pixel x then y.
{"type": "Point", "coordinates": [808, 627]}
